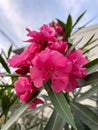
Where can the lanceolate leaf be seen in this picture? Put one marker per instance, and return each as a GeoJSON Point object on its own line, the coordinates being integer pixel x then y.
{"type": "Point", "coordinates": [88, 41]}
{"type": "Point", "coordinates": [18, 113]}
{"type": "Point", "coordinates": [88, 50]}
{"type": "Point", "coordinates": [4, 64]}
{"type": "Point", "coordinates": [62, 24]}
{"type": "Point", "coordinates": [88, 93]}
{"type": "Point", "coordinates": [9, 51]}
{"type": "Point", "coordinates": [86, 115]}
{"type": "Point", "coordinates": [89, 80]}
{"type": "Point", "coordinates": [80, 125]}
{"type": "Point", "coordinates": [68, 26]}
{"type": "Point", "coordinates": [78, 19]}
{"type": "Point", "coordinates": [61, 105]}
{"type": "Point", "coordinates": [55, 122]}
{"type": "Point", "coordinates": [92, 63]}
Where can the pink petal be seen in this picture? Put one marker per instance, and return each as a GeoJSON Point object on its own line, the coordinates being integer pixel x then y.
{"type": "Point", "coordinates": [35, 103]}
{"type": "Point", "coordinates": [59, 84]}
{"type": "Point", "coordinates": [36, 77]}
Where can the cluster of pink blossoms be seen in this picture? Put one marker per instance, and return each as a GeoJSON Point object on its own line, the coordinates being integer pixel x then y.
{"type": "Point", "coordinates": [46, 59]}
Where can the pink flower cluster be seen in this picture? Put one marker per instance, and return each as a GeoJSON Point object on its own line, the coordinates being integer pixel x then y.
{"type": "Point", "coordinates": [46, 60]}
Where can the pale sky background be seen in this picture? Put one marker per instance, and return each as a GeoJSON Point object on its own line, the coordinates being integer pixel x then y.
{"type": "Point", "coordinates": [16, 15]}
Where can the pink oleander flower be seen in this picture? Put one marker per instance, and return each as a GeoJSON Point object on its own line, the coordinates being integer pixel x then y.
{"type": "Point", "coordinates": [35, 102]}
{"type": "Point", "coordinates": [78, 71]}
{"type": "Point", "coordinates": [51, 65]}
{"type": "Point", "coordinates": [60, 46]}
{"type": "Point", "coordinates": [45, 35]}
{"type": "Point", "coordinates": [24, 89]}
{"type": "Point", "coordinates": [24, 59]}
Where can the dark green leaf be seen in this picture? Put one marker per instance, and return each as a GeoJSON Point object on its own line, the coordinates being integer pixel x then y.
{"type": "Point", "coordinates": [5, 104]}
{"type": "Point", "coordinates": [90, 49]}
{"type": "Point", "coordinates": [86, 115]}
{"type": "Point", "coordinates": [68, 28]}
{"type": "Point", "coordinates": [62, 24]}
{"type": "Point", "coordinates": [88, 41]}
{"type": "Point", "coordinates": [78, 19]}
{"type": "Point", "coordinates": [61, 105]}
{"type": "Point", "coordinates": [9, 51]}
{"type": "Point", "coordinates": [80, 125]}
{"type": "Point", "coordinates": [89, 80]}
{"type": "Point", "coordinates": [55, 122]}
{"type": "Point", "coordinates": [4, 64]}
{"type": "Point", "coordinates": [92, 63]}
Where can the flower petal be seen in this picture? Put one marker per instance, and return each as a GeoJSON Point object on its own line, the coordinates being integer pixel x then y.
{"type": "Point", "coordinates": [36, 77]}
{"type": "Point", "coordinates": [59, 83]}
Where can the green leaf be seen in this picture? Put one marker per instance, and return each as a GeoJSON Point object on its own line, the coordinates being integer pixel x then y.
{"type": "Point", "coordinates": [88, 93]}
{"type": "Point", "coordinates": [4, 64]}
{"type": "Point", "coordinates": [88, 42]}
{"type": "Point", "coordinates": [18, 113]}
{"type": "Point", "coordinates": [80, 125]}
{"type": "Point", "coordinates": [89, 80]}
{"type": "Point", "coordinates": [61, 105]}
{"type": "Point", "coordinates": [68, 28]}
{"type": "Point", "coordinates": [55, 122]}
{"type": "Point", "coordinates": [9, 51]}
{"type": "Point", "coordinates": [87, 116]}
{"type": "Point", "coordinates": [5, 104]}
{"type": "Point", "coordinates": [78, 19]}
{"type": "Point", "coordinates": [92, 63]}
{"type": "Point", "coordinates": [62, 24]}
{"type": "Point", "coordinates": [86, 51]}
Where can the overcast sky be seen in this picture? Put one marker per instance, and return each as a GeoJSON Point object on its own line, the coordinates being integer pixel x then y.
{"type": "Point", "coordinates": [16, 15]}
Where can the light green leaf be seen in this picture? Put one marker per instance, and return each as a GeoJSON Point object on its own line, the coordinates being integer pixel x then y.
{"type": "Point", "coordinates": [61, 105]}
{"type": "Point", "coordinates": [87, 116]}
{"type": "Point", "coordinates": [18, 113]}
{"type": "Point", "coordinates": [88, 93]}
{"type": "Point", "coordinates": [55, 122]}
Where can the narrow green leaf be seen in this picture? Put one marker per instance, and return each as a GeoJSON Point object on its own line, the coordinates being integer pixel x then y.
{"type": "Point", "coordinates": [90, 39]}
{"type": "Point", "coordinates": [92, 66]}
{"type": "Point", "coordinates": [4, 64]}
{"type": "Point", "coordinates": [87, 116]}
{"type": "Point", "coordinates": [89, 80]}
{"type": "Point", "coordinates": [9, 51]}
{"type": "Point", "coordinates": [18, 113]}
{"type": "Point", "coordinates": [78, 19]}
{"type": "Point", "coordinates": [88, 93]}
{"type": "Point", "coordinates": [55, 122]}
{"type": "Point", "coordinates": [61, 105]}
{"type": "Point", "coordinates": [62, 24]}
{"type": "Point", "coordinates": [83, 26]}
{"type": "Point", "coordinates": [90, 49]}
{"type": "Point", "coordinates": [68, 28]}
{"type": "Point", "coordinates": [92, 63]}
{"type": "Point", "coordinates": [80, 125]}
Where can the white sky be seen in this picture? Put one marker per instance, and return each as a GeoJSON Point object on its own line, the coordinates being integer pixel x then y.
{"type": "Point", "coordinates": [16, 15]}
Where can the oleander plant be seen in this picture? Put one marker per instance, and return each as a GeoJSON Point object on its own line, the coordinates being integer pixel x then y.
{"type": "Point", "coordinates": [44, 87]}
